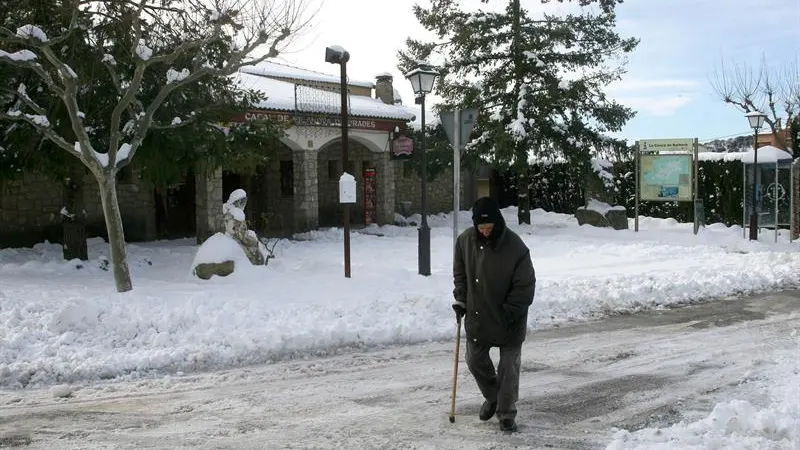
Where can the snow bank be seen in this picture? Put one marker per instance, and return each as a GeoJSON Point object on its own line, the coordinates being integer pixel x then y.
{"type": "Point", "coordinates": [219, 248]}
{"type": "Point", "coordinates": [61, 321]}
{"type": "Point", "coordinates": [734, 424]}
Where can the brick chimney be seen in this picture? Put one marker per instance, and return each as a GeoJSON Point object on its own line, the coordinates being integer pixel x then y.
{"type": "Point", "coordinates": [384, 89]}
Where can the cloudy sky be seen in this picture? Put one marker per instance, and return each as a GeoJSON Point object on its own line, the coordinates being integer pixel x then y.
{"type": "Point", "coordinates": [669, 74]}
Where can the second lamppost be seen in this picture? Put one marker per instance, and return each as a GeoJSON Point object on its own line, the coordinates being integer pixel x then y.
{"type": "Point", "coordinates": [422, 78]}
{"type": "Point", "coordinates": [756, 120]}
{"type": "Point", "coordinates": [338, 55]}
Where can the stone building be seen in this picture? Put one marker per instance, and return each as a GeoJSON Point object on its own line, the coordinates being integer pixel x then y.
{"type": "Point", "coordinates": [296, 191]}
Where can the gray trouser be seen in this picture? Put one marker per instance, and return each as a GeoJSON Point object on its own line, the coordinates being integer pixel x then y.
{"type": "Point", "coordinates": [501, 386]}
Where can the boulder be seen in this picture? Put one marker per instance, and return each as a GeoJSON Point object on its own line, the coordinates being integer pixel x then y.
{"type": "Point", "coordinates": [600, 214]}
{"type": "Point", "coordinates": [219, 255]}
{"type": "Point", "coordinates": [617, 218]}
{"type": "Point", "coordinates": [590, 217]}
{"type": "Point", "coordinates": [205, 271]}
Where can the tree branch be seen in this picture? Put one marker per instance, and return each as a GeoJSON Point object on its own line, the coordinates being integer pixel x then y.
{"type": "Point", "coordinates": [45, 130]}
{"type": "Point", "coordinates": [236, 60]}
{"type": "Point", "coordinates": [36, 67]}
{"type": "Point", "coordinates": [70, 98]}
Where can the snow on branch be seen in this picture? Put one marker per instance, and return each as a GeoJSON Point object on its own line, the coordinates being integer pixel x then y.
{"type": "Point", "coordinates": [18, 56]}
{"type": "Point", "coordinates": [245, 24]}
{"type": "Point", "coordinates": [31, 32]}
{"type": "Point", "coordinates": [248, 27]}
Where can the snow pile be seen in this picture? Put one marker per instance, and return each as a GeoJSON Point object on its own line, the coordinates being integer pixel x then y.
{"type": "Point", "coordinates": [601, 207]}
{"type": "Point", "coordinates": [219, 248]}
{"type": "Point", "coordinates": [734, 424]}
{"type": "Point", "coordinates": [61, 321]}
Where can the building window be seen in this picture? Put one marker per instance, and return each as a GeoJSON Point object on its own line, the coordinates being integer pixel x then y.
{"type": "Point", "coordinates": [287, 178]}
{"type": "Point", "coordinates": [333, 169]}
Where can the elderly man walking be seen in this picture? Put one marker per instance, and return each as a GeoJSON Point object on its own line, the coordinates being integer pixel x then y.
{"type": "Point", "coordinates": [494, 286]}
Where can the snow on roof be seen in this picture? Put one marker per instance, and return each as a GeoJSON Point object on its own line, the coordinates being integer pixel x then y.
{"type": "Point", "coordinates": [766, 154]}
{"type": "Point", "coordinates": [273, 69]}
{"type": "Point", "coordinates": [281, 96]}
{"type": "Point", "coordinates": [720, 156]}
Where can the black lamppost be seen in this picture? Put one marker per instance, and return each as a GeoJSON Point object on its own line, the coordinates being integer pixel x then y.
{"type": "Point", "coordinates": [756, 120]}
{"type": "Point", "coordinates": [338, 55]}
{"type": "Point", "coordinates": [422, 78]}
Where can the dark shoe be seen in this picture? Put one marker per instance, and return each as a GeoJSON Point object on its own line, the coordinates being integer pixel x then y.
{"type": "Point", "coordinates": [508, 425]}
{"type": "Point", "coordinates": [487, 410]}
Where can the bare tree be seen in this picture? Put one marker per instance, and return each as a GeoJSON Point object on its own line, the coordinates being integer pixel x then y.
{"type": "Point", "coordinates": [776, 93]}
{"type": "Point", "coordinates": [195, 39]}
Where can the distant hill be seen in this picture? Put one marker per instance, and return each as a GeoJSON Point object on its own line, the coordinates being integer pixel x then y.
{"type": "Point", "coordinates": [731, 145]}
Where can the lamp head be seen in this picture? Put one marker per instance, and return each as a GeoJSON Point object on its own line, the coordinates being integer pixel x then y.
{"type": "Point", "coordinates": [336, 55]}
{"type": "Point", "coordinates": [756, 119]}
{"type": "Point", "coordinates": [422, 77]}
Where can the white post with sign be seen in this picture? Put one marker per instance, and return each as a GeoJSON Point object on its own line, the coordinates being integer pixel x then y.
{"type": "Point", "coordinates": [347, 188]}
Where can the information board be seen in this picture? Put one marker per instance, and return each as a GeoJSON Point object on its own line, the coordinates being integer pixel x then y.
{"type": "Point", "coordinates": [665, 177]}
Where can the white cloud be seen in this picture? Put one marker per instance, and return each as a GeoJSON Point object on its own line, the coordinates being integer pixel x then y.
{"type": "Point", "coordinates": [655, 105]}
{"type": "Point", "coordinates": [632, 83]}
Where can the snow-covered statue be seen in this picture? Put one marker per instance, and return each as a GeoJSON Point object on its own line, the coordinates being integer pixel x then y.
{"type": "Point", "coordinates": [236, 227]}
{"type": "Point", "coordinates": [220, 253]}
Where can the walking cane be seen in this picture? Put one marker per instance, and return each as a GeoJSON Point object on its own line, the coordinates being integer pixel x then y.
{"type": "Point", "coordinates": [455, 373]}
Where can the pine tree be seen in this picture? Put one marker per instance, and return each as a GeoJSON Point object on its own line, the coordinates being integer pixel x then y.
{"type": "Point", "coordinates": [537, 79]}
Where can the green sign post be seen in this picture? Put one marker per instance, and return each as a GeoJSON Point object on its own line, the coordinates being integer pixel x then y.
{"type": "Point", "coordinates": [664, 172]}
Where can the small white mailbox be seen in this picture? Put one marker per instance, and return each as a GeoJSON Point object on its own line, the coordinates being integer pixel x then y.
{"type": "Point", "coordinates": [347, 188]}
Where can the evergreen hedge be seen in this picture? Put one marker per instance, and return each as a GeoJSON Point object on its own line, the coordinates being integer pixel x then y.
{"type": "Point", "coordinates": [555, 189]}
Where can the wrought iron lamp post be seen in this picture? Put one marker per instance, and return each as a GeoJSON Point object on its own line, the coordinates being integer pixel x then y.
{"type": "Point", "coordinates": [422, 78]}
{"type": "Point", "coordinates": [756, 120]}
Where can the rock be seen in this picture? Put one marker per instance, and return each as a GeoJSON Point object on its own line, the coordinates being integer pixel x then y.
{"type": "Point", "coordinates": [618, 219]}
{"type": "Point", "coordinates": [590, 217]}
{"type": "Point", "coordinates": [205, 271]}
{"type": "Point", "coordinates": [600, 214]}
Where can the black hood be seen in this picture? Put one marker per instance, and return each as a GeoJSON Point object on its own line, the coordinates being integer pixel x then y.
{"type": "Point", "coordinates": [486, 210]}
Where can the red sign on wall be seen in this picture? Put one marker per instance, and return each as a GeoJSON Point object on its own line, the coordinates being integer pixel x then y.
{"type": "Point", "coordinates": [370, 196]}
{"type": "Point", "coordinates": [402, 147]}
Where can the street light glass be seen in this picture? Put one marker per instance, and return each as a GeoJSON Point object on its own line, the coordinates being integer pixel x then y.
{"type": "Point", "coordinates": [756, 119]}
{"type": "Point", "coordinates": [422, 78]}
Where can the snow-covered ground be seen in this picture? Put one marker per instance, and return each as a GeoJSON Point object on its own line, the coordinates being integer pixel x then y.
{"type": "Point", "coordinates": [61, 323]}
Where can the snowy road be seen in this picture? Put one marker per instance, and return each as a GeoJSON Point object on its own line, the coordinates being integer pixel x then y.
{"type": "Point", "coordinates": [651, 369]}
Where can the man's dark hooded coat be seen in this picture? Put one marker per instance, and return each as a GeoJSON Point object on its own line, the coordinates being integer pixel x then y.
{"type": "Point", "coordinates": [494, 279]}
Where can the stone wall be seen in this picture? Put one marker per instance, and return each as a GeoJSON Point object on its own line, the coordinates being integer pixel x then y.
{"type": "Point", "coordinates": [279, 204]}
{"type": "Point", "coordinates": [408, 189]}
{"type": "Point", "coordinates": [208, 202]}
{"type": "Point", "coordinates": [306, 191]}
{"type": "Point", "coordinates": [30, 209]}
